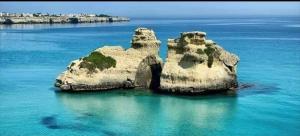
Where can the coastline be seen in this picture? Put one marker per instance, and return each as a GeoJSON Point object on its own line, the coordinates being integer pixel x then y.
{"type": "Point", "coordinates": [59, 20]}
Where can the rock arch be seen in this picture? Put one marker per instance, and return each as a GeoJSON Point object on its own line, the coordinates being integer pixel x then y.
{"type": "Point", "coordinates": [148, 73]}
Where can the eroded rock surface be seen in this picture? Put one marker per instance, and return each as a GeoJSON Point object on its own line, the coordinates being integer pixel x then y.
{"type": "Point", "coordinates": [193, 65]}
{"type": "Point", "coordinates": [197, 65]}
{"type": "Point", "coordinates": [112, 67]}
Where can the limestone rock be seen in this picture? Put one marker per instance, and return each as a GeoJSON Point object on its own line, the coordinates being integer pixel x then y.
{"type": "Point", "coordinates": [197, 65]}
{"type": "Point", "coordinates": [193, 65]}
{"type": "Point", "coordinates": [144, 39]}
{"type": "Point", "coordinates": [112, 67]}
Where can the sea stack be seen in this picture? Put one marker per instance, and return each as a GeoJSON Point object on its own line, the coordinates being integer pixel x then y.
{"type": "Point", "coordinates": [113, 67]}
{"type": "Point", "coordinates": [197, 65]}
{"type": "Point", "coordinates": [194, 65]}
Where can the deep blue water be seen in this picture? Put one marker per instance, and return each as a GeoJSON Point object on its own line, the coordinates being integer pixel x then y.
{"type": "Point", "coordinates": [31, 56]}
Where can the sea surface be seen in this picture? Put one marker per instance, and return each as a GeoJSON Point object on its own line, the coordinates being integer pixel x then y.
{"type": "Point", "coordinates": [32, 56]}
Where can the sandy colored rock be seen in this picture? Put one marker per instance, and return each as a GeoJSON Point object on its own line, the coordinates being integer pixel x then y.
{"type": "Point", "coordinates": [193, 65]}
{"type": "Point", "coordinates": [131, 64]}
{"type": "Point", "coordinates": [197, 65]}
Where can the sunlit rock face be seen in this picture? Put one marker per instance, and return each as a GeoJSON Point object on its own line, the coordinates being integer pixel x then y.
{"type": "Point", "coordinates": [145, 39]}
{"type": "Point", "coordinates": [112, 67]}
{"type": "Point", "coordinates": [197, 65]}
{"type": "Point", "coordinates": [193, 65]}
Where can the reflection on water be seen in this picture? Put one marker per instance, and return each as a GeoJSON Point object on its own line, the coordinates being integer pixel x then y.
{"type": "Point", "coordinates": [135, 112]}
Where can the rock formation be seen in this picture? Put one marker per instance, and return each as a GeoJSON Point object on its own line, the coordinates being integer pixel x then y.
{"type": "Point", "coordinates": [193, 65]}
{"type": "Point", "coordinates": [112, 67]}
{"type": "Point", "coordinates": [197, 65]}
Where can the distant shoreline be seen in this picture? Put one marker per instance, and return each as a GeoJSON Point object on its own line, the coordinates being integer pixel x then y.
{"type": "Point", "coordinates": [60, 20]}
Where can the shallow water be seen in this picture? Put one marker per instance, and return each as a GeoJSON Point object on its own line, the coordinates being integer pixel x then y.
{"type": "Point", "coordinates": [31, 56]}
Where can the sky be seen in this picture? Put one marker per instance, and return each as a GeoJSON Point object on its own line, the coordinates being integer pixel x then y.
{"type": "Point", "coordinates": [158, 9]}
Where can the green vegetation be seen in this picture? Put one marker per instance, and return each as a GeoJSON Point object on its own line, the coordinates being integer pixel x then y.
{"type": "Point", "coordinates": [209, 52]}
{"type": "Point", "coordinates": [8, 21]}
{"type": "Point", "coordinates": [37, 14]}
{"type": "Point", "coordinates": [51, 21]}
{"type": "Point", "coordinates": [97, 60]}
{"type": "Point", "coordinates": [72, 64]}
{"type": "Point", "coordinates": [102, 15]}
{"type": "Point", "coordinates": [200, 51]}
{"type": "Point", "coordinates": [74, 20]}
{"type": "Point", "coordinates": [208, 44]}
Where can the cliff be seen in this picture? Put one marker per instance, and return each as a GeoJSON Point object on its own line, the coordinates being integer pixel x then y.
{"type": "Point", "coordinates": [114, 67]}
{"type": "Point", "coordinates": [197, 65]}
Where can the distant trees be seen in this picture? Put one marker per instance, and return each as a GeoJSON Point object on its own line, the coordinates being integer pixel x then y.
{"type": "Point", "coordinates": [102, 15]}
{"type": "Point", "coordinates": [54, 15]}
{"type": "Point", "coordinates": [37, 14]}
{"type": "Point", "coordinates": [8, 21]}
{"type": "Point", "coordinates": [74, 20]}
{"type": "Point", "coordinates": [51, 21]}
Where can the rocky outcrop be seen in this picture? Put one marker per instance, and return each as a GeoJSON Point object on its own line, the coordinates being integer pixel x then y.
{"type": "Point", "coordinates": [112, 67]}
{"type": "Point", "coordinates": [193, 65]}
{"type": "Point", "coordinates": [197, 65]}
{"type": "Point", "coordinates": [62, 19]}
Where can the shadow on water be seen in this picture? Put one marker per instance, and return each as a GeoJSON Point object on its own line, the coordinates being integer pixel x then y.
{"type": "Point", "coordinates": [75, 124]}
{"type": "Point", "coordinates": [246, 89]}
{"type": "Point", "coordinates": [50, 122]}
{"type": "Point", "coordinates": [109, 133]}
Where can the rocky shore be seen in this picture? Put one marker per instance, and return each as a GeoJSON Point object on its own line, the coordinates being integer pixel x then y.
{"type": "Point", "coordinates": [62, 19]}
{"type": "Point", "coordinates": [193, 65]}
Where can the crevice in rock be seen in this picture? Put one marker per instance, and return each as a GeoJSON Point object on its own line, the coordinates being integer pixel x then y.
{"type": "Point", "coordinates": [229, 67]}
{"type": "Point", "coordinates": [156, 72]}
{"type": "Point", "coordinates": [148, 74]}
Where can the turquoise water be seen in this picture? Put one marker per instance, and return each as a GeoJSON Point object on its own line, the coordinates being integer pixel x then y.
{"type": "Point", "coordinates": [31, 56]}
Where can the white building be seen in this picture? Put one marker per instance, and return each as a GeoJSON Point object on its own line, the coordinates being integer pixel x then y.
{"type": "Point", "coordinates": [73, 15]}
{"type": "Point", "coordinates": [91, 15]}
{"type": "Point", "coordinates": [27, 15]}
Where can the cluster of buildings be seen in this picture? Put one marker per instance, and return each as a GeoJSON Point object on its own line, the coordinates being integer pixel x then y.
{"type": "Point", "coordinates": [6, 14]}
{"type": "Point", "coordinates": [39, 18]}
